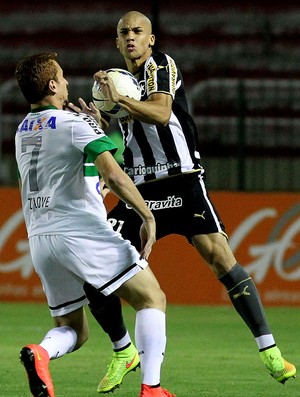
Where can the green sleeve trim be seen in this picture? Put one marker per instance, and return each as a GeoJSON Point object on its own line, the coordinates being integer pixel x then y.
{"type": "Point", "coordinates": [94, 148]}
{"type": "Point", "coordinates": [90, 170]}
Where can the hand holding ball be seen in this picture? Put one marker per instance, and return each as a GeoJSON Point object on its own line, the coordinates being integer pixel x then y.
{"type": "Point", "coordinates": [125, 83]}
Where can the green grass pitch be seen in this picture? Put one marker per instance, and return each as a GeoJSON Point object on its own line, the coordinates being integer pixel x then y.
{"type": "Point", "coordinates": [210, 353]}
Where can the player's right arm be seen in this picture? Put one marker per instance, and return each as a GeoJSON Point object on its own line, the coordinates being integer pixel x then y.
{"type": "Point", "coordinates": [155, 110]}
{"type": "Point", "coordinates": [90, 110]}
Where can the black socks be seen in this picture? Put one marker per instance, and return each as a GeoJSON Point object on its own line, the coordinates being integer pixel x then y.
{"type": "Point", "coordinates": [246, 300]}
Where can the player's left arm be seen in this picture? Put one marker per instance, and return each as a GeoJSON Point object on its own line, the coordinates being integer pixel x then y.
{"type": "Point", "coordinates": [104, 189]}
{"type": "Point", "coordinates": [120, 184]}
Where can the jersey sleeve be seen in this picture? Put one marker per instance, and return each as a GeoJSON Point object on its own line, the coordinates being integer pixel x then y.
{"type": "Point", "coordinates": [103, 144]}
{"type": "Point", "coordinates": [161, 74]}
{"type": "Point", "coordinates": [88, 137]}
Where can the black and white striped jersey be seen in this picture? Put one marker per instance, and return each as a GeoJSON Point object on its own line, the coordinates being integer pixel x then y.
{"type": "Point", "coordinates": [153, 152]}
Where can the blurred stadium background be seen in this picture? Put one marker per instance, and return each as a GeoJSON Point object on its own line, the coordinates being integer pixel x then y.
{"type": "Point", "coordinates": [240, 62]}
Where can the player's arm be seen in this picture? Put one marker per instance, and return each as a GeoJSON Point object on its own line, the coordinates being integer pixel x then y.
{"type": "Point", "coordinates": [156, 110]}
{"type": "Point", "coordinates": [120, 183]}
{"type": "Point", "coordinates": [104, 190]}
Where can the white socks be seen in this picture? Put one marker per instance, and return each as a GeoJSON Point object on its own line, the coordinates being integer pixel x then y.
{"type": "Point", "coordinates": [150, 338]}
{"type": "Point", "coordinates": [59, 341]}
{"type": "Point", "coordinates": [265, 341]}
{"type": "Point", "coordinates": [122, 342]}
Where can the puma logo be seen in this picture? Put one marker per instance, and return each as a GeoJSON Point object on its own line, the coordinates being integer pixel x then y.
{"type": "Point", "coordinates": [200, 215]}
{"type": "Point", "coordinates": [244, 292]}
{"type": "Point", "coordinates": [162, 67]}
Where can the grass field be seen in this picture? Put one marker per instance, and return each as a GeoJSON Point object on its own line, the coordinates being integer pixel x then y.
{"type": "Point", "coordinates": [210, 353]}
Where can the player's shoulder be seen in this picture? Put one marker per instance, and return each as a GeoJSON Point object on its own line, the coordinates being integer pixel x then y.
{"type": "Point", "coordinates": [64, 115]}
{"type": "Point", "coordinates": [77, 120]}
{"type": "Point", "coordinates": [160, 58]}
{"type": "Point", "coordinates": [74, 117]}
{"type": "Point", "coordinates": [69, 114]}
{"type": "Point", "coordinates": [86, 122]}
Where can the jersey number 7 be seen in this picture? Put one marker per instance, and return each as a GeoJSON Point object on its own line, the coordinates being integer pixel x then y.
{"type": "Point", "coordinates": [35, 141]}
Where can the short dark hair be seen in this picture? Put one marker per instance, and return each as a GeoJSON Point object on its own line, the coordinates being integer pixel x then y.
{"type": "Point", "coordinates": [33, 74]}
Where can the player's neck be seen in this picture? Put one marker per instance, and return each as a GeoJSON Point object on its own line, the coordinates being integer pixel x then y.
{"type": "Point", "coordinates": [133, 65]}
{"type": "Point", "coordinates": [47, 101]}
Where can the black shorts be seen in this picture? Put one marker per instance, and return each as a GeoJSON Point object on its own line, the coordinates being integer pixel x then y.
{"type": "Point", "coordinates": [180, 205]}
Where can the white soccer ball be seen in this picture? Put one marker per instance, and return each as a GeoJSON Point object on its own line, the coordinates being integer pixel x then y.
{"type": "Point", "coordinates": [126, 84]}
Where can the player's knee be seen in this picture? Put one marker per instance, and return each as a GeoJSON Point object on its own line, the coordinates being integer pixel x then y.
{"type": "Point", "coordinates": [217, 254]}
{"type": "Point", "coordinates": [163, 300]}
{"type": "Point", "coordinates": [155, 298]}
{"type": "Point", "coordinates": [82, 337]}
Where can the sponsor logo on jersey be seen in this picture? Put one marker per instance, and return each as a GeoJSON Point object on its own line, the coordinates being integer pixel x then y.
{"type": "Point", "coordinates": [39, 124]}
{"type": "Point", "coordinates": [173, 75]}
{"type": "Point", "coordinates": [98, 188]}
{"type": "Point", "coordinates": [169, 202]}
{"type": "Point", "coordinates": [143, 170]}
{"type": "Point", "coordinates": [93, 124]}
{"type": "Point", "coordinates": [151, 82]}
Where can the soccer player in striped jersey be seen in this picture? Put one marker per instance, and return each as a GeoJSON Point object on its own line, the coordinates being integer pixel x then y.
{"type": "Point", "coordinates": [162, 158]}
{"type": "Point", "coordinates": [60, 155]}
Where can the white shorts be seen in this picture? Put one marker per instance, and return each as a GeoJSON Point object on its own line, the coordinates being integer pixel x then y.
{"type": "Point", "coordinates": [65, 262]}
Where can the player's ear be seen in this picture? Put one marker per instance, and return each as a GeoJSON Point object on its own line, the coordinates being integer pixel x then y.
{"type": "Point", "coordinates": [152, 40]}
{"type": "Point", "coordinates": [52, 85]}
{"type": "Point", "coordinates": [117, 43]}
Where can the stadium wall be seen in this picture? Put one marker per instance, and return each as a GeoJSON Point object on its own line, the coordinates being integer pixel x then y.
{"type": "Point", "coordinates": [264, 230]}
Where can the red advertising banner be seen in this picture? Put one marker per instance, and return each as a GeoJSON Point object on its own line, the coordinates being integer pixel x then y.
{"type": "Point", "coordinates": [264, 234]}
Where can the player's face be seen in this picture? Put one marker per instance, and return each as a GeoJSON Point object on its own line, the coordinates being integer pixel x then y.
{"type": "Point", "coordinates": [62, 86]}
{"type": "Point", "coordinates": [135, 39]}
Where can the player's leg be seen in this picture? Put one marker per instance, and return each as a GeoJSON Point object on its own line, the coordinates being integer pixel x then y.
{"type": "Point", "coordinates": [65, 298]}
{"type": "Point", "coordinates": [143, 293]}
{"type": "Point", "coordinates": [70, 333]}
{"type": "Point", "coordinates": [137, 285]}
{"type": "Point", "coordinates": [107, 310]}
{"type": "Point", "coordinates": [241, 289]}
{"type": "Point", "coordinates": [246, 300]}
{"type": "Point", "coordinates": [206, 231]}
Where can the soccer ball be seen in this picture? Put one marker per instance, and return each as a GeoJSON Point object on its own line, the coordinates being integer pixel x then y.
{"type": "Point", "coordinates": [126, 84]}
